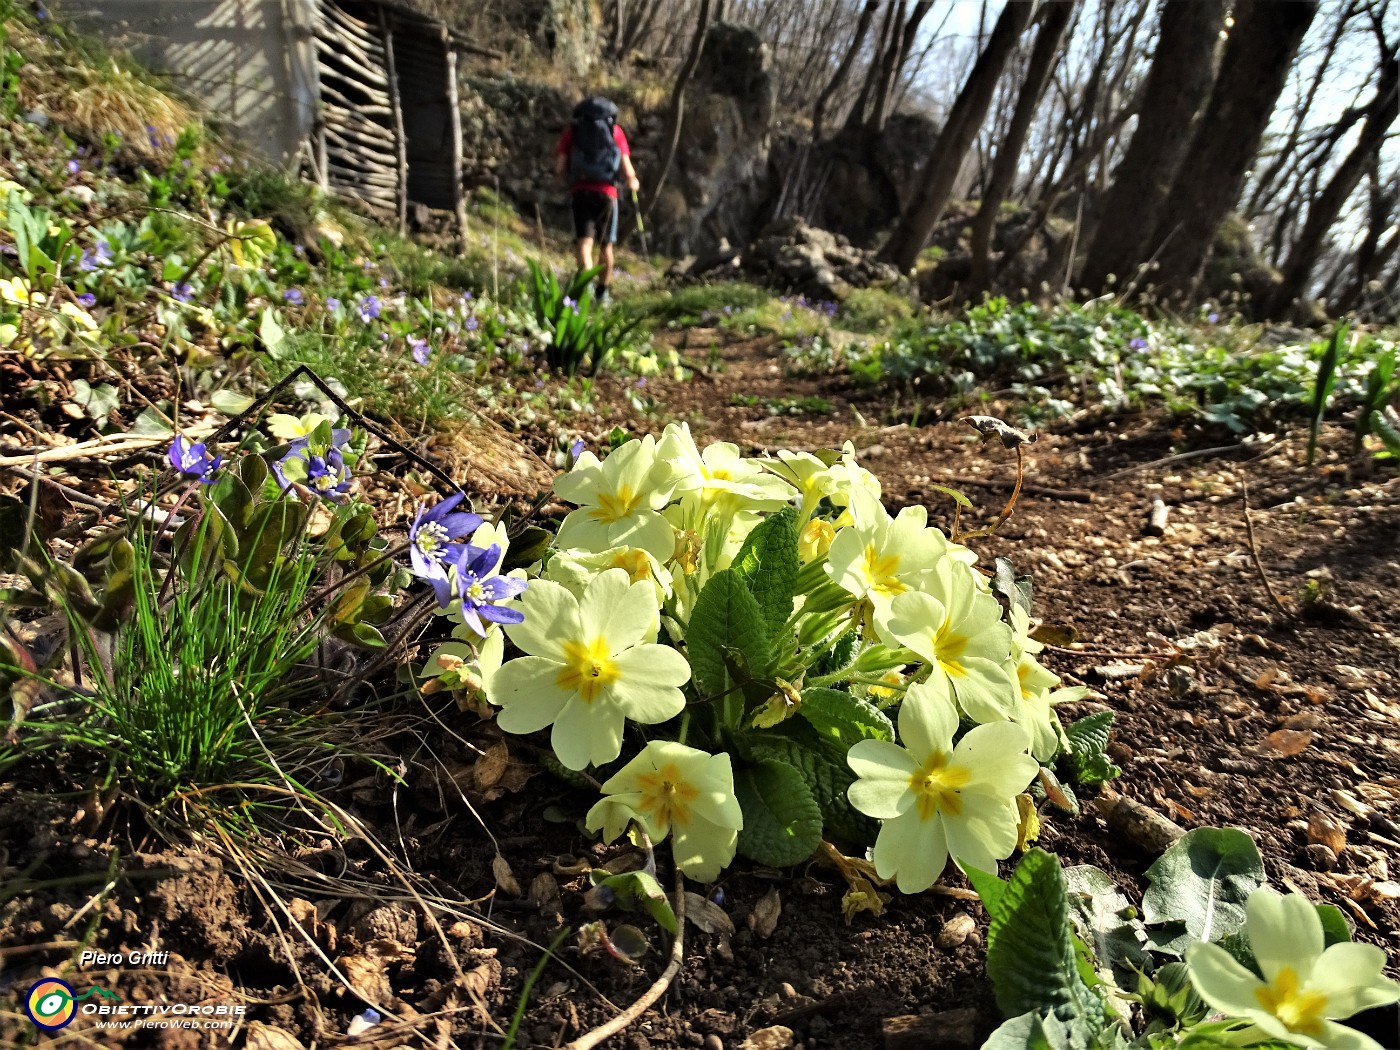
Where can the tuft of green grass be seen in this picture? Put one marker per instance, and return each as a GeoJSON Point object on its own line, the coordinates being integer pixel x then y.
{"type": "Point", "coordinates": [874, 310]}
{"type": "Point", "coordinates": [698, 304]}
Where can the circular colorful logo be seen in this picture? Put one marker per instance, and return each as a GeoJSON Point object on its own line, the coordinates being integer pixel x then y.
{"type": "Point", "coordinates": [50, 1004]}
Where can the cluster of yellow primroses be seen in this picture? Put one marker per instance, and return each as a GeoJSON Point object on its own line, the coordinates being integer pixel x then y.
{"type": "Point", "coordinates": [602, 642]}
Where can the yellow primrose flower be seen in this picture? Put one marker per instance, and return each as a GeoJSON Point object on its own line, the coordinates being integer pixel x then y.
{"type": "Point", "coordinates": [619, 500]}
{"type": "Point", "coordinates": [719, 474]}
{"type": "Point", "coordinates": [1305, 986]}
{"type": "Point", "coordinates": [849, 477]}
{"type": "Point", "coordinates": [936, 800]}
{"type": "Point", "coordinates": [286, 427]}
{"type": "Point", "coordinates": [957, 628]}
{"type": "Point", "coordinates": [880, 557]}
{"type": "Point", "coordinates": [805, 472]}
{"type": "Point", "coordinates": [674, 790]}
{"type": "Point", "coordinates": [1036, 687]}
{"type": "Point", "coordinates": [588, 668]}
{"type": "Point", "coordinates": [575, 568]}
{"type": "Point", "coordinates": [815, 540]}
{"type": "Point", "coordinates": [15, 290]}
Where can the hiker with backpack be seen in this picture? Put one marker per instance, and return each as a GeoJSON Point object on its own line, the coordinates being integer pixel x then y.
{"type": "Point", "coordinates": [590, 154]}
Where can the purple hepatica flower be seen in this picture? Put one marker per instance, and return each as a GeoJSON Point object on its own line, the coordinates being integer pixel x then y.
{"type": "Point", "coordinates": [435, 537]}
{"type": "Point", "coordinates": [183, 292]}
{"type": "Point", "coordinates": [74, 167]}
{"type": "Point", "coordinates": [641, 382]}
{"type": "Point", "coordinates": [369, 308]}
{"type": "Point", "coordinates": [101, 255]}
{"type": "Point", "coordinates": [332, 303]}
{"type": "Point", "coordinates": [480, 589]}
{"type": "Point", "coordinates": [472, 324]}
{"type": "Point", "coordinates": [1137, 344]}
{"type": "Point", "coordinates": [328, 476]}
{"type": "Point", "coordinates": [87, 299]}
{"type": "Point", "coordinates": [575, 450]}
{"type": "Point", "coordinates": [421, 349]}
{"type": "Point", "coordinates": [1212, 317]}
{"type": "Point", "coordinates": [384, 282]}
{"type": "Point", "coordinates": [193, 460]}
{"type": "Point", "coordinates": [294, 296]}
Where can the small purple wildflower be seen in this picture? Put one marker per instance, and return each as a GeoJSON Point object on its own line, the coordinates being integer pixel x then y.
{"type": "Point", "coordinates": [332, 303]}
{"type": "Point", "coordinates": [369, 308]}
{"type": "Point", "coordinates": [435, 538]}
{"type": "Point", "coordinates": [384, 282]}
{"type": "Point", "coordinates": [74, 167]}
{"type": "Point", "coordinates": [193, 460]}
{"type": "Point", "coordinates": [571, 304]}
{"type": "Point", "coordinates": [327, 475]}
{"type": "Point", "coordinates": [472, 324]}
{"type": "Point", "coordinates": [575, 450]}
{"type": "Point", "coordinates": [87, 299]}
{"type": "Point", "coordinates": [1212, 317]}
{"type": "Point", "coordinates": [294, 296]}
{"type": "Point", "coordinates": [480, 589]}
{"type": "Point", "coordinates": [421, 349]}
{"type": "Point", "coordinates": [1137, 344]}
{"type": "Point", "coordinates": [183, 291]}
{"type": "Point", "coordinates": [101, 255]}
{"type": "Point", "coordinates": [641, 382]}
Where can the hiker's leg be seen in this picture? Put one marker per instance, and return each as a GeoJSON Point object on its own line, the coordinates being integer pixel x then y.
{"type": "Point", "coordinates": [585, 253]}
{"type": "Point", "coordinates": [605, 278]}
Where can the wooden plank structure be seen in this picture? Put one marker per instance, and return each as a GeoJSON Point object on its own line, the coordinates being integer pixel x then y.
{"type": "Point", "coordinates": [388, 130]}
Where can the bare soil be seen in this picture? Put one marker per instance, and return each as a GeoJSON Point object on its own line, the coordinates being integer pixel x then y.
{"type": "Point", "coordinates": [1273, 713]}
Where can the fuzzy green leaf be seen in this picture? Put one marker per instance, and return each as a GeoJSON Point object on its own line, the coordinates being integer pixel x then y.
{"type": "Point", "coordinates": [1030, 954]}
{"type": "Point", "coordinates": [1088, 749]}
{"type": "Point", "coordinates": [726, 620]}
{"type": "Point", "coordinates": [782, 821]}
{"type": "Point", "coordinates": [768, 562]}
{"type": "Point", "coordinates": [843, 719]}
{"type": "Point", "coordinates": [1203, 881]}
{"type": "Point", "coordinates": [822, 764]}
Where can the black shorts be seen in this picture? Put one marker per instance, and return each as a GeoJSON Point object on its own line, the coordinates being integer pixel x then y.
{"type": "Point", "coordinates": [595, 216]}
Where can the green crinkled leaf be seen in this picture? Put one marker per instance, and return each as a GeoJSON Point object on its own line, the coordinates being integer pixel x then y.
{"type": "Point", "coordinates": [822, 763]}
{"type": "Point", "coordinates": [97, 401]}
{"type": "Point", "coordinates": [1030, 1031]}
{"type": "Point", "coordinates": [1088, 749]}
{"type": "Point", "coordinates": [1030, 952]}
{"type": "Point", "coordinates": [726, 620]}
{"type": "Point", "coordinates": [1203, 881]}
{"type": "Point", "coordinates": [768, 562]}
{"type": "Point", "coordinates": [989, 886]}
{"type": "Point", "coordinates": [844, 719]}
{"type": "Point", "coordinates": [782, 821]}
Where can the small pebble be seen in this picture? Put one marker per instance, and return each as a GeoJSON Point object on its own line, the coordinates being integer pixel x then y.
{"type": "Point", "coordinates": [956, 931]}
{"type": "Point", "coordinates": [713, 1042]}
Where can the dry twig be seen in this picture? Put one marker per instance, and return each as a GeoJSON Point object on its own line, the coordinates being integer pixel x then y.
{"type": "Point", "coordinates": [1254, 554]}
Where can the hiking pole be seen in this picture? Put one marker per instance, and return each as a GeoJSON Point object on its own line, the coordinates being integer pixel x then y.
{"type": "Point", "coordinates": [641, 230]}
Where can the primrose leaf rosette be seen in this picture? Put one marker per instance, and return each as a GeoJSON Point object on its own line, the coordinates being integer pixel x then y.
{"type": "Point", "coordinates": [939, 800]}
{"type": "Point", "coordinates": [587, 668]}
{"type": "Point", "coordinates": [1305, 986]}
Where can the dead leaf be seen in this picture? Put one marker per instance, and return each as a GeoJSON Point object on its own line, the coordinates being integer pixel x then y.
{"type": "Point", "coordinates": [778, 1037]}
{"type": "Point", "coordinates": [265, 1037]}
{"type": "Point", "coordinates": [1267, 678]}
{"type": "Point", "coordinates": [708, 916]}
{"type": "Point", "coordinates": [1055, 634]}
{"type": "Point", "coordinates": [1328, 831]}
{"type": "Point", "coordinates": [1289, 742]}
{"type": "Point", "coordinates": [862, 896]}
{"type": "Point", "coordinates": [991, 426]}
{"type": "Point", "coordinates": [491, 766]}
{"type": "Point", "coordinates": [544, 894]}
{"type": "Point", "coordinates": [505, 878]}
{"type": "Point", "coordinates": [763, 920]}
{"type": "Point", "coordinates": [368, 972]}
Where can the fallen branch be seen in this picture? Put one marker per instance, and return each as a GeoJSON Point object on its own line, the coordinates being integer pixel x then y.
{"type": "Point", "coordinates": [1043, 491]}
{"type": "Point", "coordinates": [1181, 457]}
{"type": "Point", "coordinates": [105, 446]}
{"type": "Point", "coordinates": [658, 988]}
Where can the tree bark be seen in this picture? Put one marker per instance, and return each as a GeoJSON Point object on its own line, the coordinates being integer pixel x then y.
{"type": "Point", "coordinates": [867, 15]}
{"type": "Point", "coordinates": [1326, 206]}
{"type": "Point", "coordinates": [1177, 87]}
{"type": "Point", "coordinates": [1258, 56]}
{"type": "Point", "coordinates": [905, 39]}
{"type": "Point", "coordinates": [964, 119]}
{"type": "Point", "coordinates": [856, 117]}
{"type": "Point", "coordinates": [1042, 64]}
{"type": "Point", "coordinates": [676, 111]}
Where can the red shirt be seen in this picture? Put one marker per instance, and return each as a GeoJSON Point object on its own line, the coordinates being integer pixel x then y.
{"type": "Point", "coordinates": [608, 189]}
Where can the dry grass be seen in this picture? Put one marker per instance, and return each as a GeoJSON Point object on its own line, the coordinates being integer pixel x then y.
{"type": "Point", "coordinates": [98, 98]}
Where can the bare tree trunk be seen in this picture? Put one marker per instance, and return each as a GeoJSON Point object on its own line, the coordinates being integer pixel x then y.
{"type": "Point", "coordinates": [867, 15]}
{"type": "Point", "coordinates": [1178, 85]}
{"type": "Point", "coordinates": [1369, 259]}
{"type": "Point", "coordinates": [890, 77]}
{"type": "Point", "coordinates": [856, 117]}
{"type": "Point", "coordinates": [1327, 206]}
{"type": "Point", "coordinates": [940, 173]}
{"type": "Point", "coordinates": [1042, 63]}
{"type": "Point", "coordinates": [1255, 66]}
{"type": "Point", "coordinates": [677, 109]}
